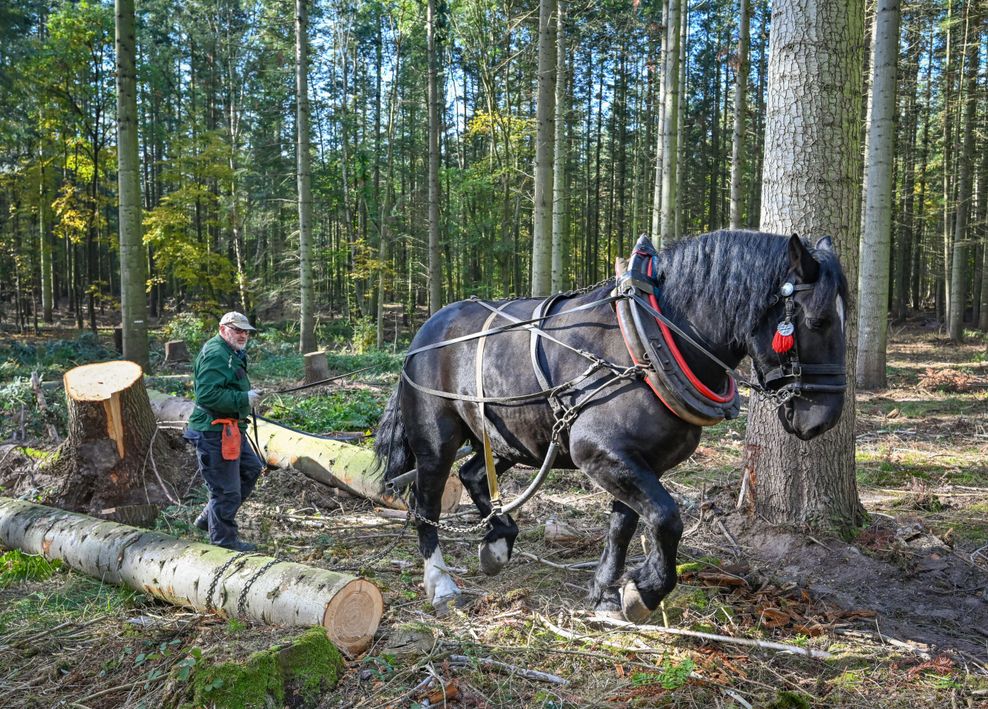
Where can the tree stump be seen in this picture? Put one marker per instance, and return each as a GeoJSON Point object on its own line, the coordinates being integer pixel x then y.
{"type": "Point", "coordinates": [316, 367]}
{"type": "Point", "coordinates": [113, 457]}
{"type": "Point", "coordinates": [176, 351]}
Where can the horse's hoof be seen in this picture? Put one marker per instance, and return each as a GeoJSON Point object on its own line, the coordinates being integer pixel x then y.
{"type": "Point", "coordinates": [493, 556]}
{"type": "Point", "coordinates": [634, 608]}
{"type": "Point", "coordinates": [609, 614]}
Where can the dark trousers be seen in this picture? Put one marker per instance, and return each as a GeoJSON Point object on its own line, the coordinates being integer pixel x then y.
{"type": "Point", "coordinates": [230, 482]}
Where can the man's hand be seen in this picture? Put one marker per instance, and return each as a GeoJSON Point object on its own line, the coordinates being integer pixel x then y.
{"type": "Point", "coordinates": [254, 396]}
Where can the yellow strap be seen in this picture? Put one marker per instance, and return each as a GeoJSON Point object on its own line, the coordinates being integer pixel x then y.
{"type": "Point", "coordinates": [492, 488]}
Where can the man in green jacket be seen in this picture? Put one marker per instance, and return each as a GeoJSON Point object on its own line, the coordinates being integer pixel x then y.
{"type": "Point", "coordinates": [224, 399]}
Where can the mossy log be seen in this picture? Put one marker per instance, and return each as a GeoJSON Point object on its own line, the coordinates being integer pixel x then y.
{"type": "Point", "coordinates": [326, 460]}
{"type": "Point", "coordinates": [183, 573]}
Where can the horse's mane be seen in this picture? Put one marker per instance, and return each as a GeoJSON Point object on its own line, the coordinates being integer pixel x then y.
{"type": "Point", "coordinates": [722, 281]}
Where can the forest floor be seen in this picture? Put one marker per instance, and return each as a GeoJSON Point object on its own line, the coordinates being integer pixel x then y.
{"type": "Point", "coordinates": [896, 616]}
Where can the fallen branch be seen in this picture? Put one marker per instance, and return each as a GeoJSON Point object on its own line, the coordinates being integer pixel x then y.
{"type": "Point", "coordinates": [512, 669]}
{"type": "Point", "coordinates": [767, 644]}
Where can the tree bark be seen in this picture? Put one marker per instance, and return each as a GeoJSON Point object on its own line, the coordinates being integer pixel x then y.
{"type": "Point", "coordinates": [183, 573]}
{"type": "Point", "coordinates": [133, 264]}
{"type": "Point", "coordinates": [812, 160]}
{"type": "Point", "coordinates": [876, 230]}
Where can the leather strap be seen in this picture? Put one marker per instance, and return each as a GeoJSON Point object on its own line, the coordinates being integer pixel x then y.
{"type": "Point", "coordinates": [492, 487]}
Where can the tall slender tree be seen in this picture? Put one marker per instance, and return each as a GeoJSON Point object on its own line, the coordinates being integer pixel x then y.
{"type": "Point", "coordinates": [876, 229]}
{"type": "Point", "coordinates": [433, 97]}
{"type": "Point", "coordinates": [133, 269]}
{"type": "Point", "coordinates": [545, 121]}
{"type": "Point", "coordinates": [307, 335]}
{"type": "Point", "coordinates": [670, 123]}
{"type": "Point", "coordinates": [740, 111]}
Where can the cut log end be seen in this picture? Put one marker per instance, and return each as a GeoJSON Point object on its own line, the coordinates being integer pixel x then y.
{"type": "Point", "coordinates": [100, 381]}
{"type": "Point", "coordinates": [352, 616]}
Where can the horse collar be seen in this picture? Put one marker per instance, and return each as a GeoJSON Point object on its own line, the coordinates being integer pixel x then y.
{"type": "Point", "coordinates": [650, 343]}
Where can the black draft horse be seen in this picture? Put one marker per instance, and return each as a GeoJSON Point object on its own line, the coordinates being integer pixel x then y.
{"type": "Point", "coordinates": [722, 288]}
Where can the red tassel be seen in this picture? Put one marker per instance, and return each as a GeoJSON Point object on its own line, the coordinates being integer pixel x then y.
{"type": "Point", "coordinates": [782, 343]}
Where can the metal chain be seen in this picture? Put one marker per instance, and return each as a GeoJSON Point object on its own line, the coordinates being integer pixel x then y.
{"type": "Point", "coordinates": [216, 577]}
{"type": "Point", "coordinates": [242, 600]}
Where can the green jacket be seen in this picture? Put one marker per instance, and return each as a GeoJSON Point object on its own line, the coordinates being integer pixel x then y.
{"type": "Point", "coordinates": [221, 386]}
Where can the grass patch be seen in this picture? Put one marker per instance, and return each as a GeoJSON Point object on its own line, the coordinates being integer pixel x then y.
{"type": "Point", "coordinates": [77, 597]}
{"type": "Point", "coordinates": [16, 566]}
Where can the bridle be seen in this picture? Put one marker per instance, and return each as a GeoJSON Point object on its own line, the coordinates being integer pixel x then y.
{"type": "Point", "coordinates": [790, 370]}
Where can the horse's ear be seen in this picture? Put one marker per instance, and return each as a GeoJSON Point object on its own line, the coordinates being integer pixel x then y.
{"type": "Point", "coordinates": [801, 261]}
{"type": "Point", "coordinates": [825, 243]}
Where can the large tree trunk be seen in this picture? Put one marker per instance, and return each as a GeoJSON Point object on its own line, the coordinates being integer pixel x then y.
{"type": "Point", "coordinates": [810, 186]}
{"type": "Point", "coordinates": [198, 576]}
{"type": "Point", "coordinates": [560, 211]}
{"type": "Point", "coordinates": [105, 461]}
{"type": "Point", "coordinates": [325, 460]}
{"type": "Point", "coordinates": [876, 236]}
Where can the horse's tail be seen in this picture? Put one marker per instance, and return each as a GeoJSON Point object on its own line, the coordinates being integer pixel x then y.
{"type": "Point", "coordinates": [392, 453]}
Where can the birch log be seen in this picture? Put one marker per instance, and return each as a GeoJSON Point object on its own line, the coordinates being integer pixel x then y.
{"type": "Point", "coordinates": [183, 573]}
{"type": "Point", "coordinates": [331, 462]}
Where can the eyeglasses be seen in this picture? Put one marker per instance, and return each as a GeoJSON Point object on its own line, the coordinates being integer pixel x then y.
{"type": "Point", "coordinates": [238, 330]}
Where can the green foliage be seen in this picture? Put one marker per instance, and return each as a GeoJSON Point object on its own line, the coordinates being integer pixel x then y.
{"type": "Point", "coordinates": [16, 566]}
{"type": "Point", "coordinates": [191, 327]}
{"type": "Point", "coordinates": [672, 675]}
{"type": "Point", "coordinates": [341, 410]}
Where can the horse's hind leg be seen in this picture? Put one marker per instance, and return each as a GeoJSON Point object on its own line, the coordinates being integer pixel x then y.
{"type": "Point", "coordinates": [434, 460]}
{"type": "Point", "coordinates": [495, 549]}
{"type": "Point", "coordinates": [604, 594]}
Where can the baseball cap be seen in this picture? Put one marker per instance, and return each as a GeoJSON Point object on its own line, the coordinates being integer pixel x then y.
{"type": "Point", "coordinates": [236, 319]}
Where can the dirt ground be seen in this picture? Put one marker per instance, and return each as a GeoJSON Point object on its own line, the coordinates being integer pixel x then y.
{"type": "Point", "coordinates": [896, 616]}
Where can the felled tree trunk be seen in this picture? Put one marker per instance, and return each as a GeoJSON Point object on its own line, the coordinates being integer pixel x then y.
{"type": "Point", "coordinates": [198, 576]}
{"type": "Point", "coordinates": [107, 461]}
{"type": "Point", "coordinates": [331, 462]}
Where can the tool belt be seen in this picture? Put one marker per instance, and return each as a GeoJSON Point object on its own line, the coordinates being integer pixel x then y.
{"type": "Point", "coordinates": [230, 442]}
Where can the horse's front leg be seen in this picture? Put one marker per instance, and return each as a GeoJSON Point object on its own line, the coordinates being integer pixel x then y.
{"type": "Point", "coordinates": [604, 594]}
{"type": "Point", "coordinates": [630, 480]}
{"type": "Point", "coordinates": [495, 549]}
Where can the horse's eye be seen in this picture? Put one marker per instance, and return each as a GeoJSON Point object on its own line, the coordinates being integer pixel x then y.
{"type": "Point", "coordinates": [817, 323]}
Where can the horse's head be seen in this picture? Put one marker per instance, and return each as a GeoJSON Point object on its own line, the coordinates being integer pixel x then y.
{"type": "Point", "coordinates": [798, 347]}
